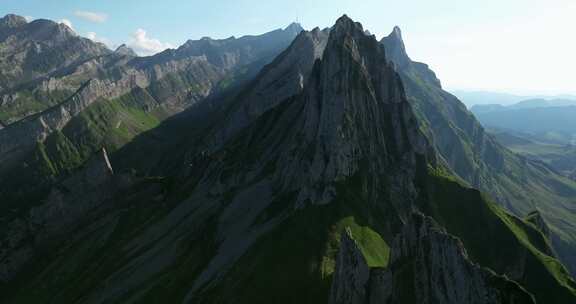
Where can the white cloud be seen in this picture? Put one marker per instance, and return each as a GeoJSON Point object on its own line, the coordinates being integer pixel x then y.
{"type": "Point", "coordinates": [66, 22]}
{"type": "Point", "coordinates": [91, 16]}
{"type": "Point", "coordinates": [28, 18]}
{"type": "Point", "coordinates": [144, 45]}
{"type": "Point", "coordinates": [94, 37]}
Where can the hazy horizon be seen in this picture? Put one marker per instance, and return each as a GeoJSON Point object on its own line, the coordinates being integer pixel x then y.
{"type": "Point", "coordinates": [517, 47]}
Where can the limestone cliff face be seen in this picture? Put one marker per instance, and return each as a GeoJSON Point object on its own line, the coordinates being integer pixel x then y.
{"type": "Point", "coordinates": [283, 78]}
{"type": "Point", "coordinates": [350, 116]}
{"type": "Point", "coordinates": [427, 266]}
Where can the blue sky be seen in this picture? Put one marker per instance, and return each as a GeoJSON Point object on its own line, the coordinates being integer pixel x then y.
{"type": "Point", "coordinates": [505, 45]}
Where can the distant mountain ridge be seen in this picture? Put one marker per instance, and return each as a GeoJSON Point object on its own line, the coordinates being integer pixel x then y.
{"type": "Point", "coordinates": [471, 98]}
{"type": "Point", "coordinates": [525, 104]}
{"type": "Point", "coordinates": [549, 121]}
{"type": "Point", "coordinates": [111, 96]}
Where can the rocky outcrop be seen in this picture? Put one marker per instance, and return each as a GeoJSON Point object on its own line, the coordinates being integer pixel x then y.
{"type": "Point", "coordinates": [535, 217]}
{"type": "Point", "coordinates": [395, 49]}
{"type": "Point", "coordinates": [350, 278]}
{"type": "Point", "coordinates": [64, 209]}
{"type": "Point", "coordinates": [427, 266]}
{"type": "Point", "coordinates": [424, 258]}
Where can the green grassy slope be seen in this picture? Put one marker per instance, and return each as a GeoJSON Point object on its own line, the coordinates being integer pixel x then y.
{"type": "Point", "coordinates": [499, 240]}
{"type": "Point", "coordinates": [298, 254]}
{"type": "Point", "coordinates": [106, 123]}
{"type": "Point", "coordinates": [516, 183]}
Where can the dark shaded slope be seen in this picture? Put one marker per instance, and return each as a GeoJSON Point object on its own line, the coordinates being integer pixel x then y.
{"type": "Point", "coordinates": [538, 120]}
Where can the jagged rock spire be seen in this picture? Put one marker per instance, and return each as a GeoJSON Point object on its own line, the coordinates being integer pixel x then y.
{"type": "Point", "coordinates": [351, 275]}
{"type": "Point", "coordinates": [395, 48]}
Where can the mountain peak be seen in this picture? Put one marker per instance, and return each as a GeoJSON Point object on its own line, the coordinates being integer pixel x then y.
{"type": "Point", "coordinates": [345, 23]}
{"type": "Point", "coordinates": [12, 20]}
{"type": "Point", "coordinates": [354, 97]}
{"type": "Point", "coordinates": [395, 48]}
{"type": "Point", "coordinates": [396, 32]}
{"type": "Point", "coordinates": [45, 29]}
{"type": "Point", "coordinates": [125, 50]}
{"type": "Point", "coordinates": [294, 27]}
{"type": "Point", "coordinates": [346, 28]}
{"type": "Point", "coordinates": [395, 38]}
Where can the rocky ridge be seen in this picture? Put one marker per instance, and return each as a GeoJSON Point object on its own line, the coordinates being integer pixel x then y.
{"type": "Point", "coordinates": [425, 261]}
{"type": "Point", "coordinates": [477, 158]}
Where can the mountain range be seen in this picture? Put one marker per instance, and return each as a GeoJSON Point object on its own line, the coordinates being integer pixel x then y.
{"type": "Point", "coordinates": [296, 166]}
{"type": "Point", "coordinates": [548, 121]}
{"type": "Point", "coordinates": [480, 98]}
{"type": "Point", "coordinates": [540, 129]}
